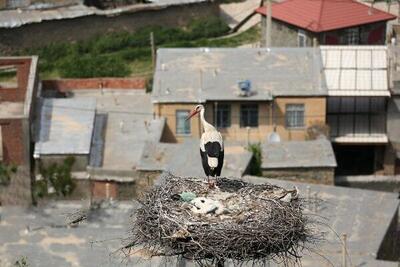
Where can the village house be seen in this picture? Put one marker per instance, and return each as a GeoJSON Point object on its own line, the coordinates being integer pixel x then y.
{"type": "Point", "coordinates": [19, 89]}
{"type": "Point", "coordinates": [326, 22]}
{"type": "Point", "coordinates": [247, 93]}
{"type": "Point", "coordinates": [358, 93]}
{"type": "Point", "coordinates": [18, 94]}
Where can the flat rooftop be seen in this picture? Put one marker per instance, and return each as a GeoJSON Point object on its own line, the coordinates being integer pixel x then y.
{"type": "Point", "coordinates": [66, 126]}
{"type": "Point", "coordinates": [129, 125]}
{"type": "Point", "coordinates": [41, 235]}
{"type": "Point", "coordinates": [202, 74]}
{"type": "Point", "coordinates": [298, 154]}
{"type": "Point", "coordinates": [364, 215]}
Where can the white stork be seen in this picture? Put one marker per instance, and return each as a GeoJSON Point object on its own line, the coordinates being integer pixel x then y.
{"type": "Point", "coordinates": [211, 146]}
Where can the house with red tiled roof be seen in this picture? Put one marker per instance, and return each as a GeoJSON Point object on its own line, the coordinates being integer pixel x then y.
{"type": "Point", "coordinates": [326, 22]}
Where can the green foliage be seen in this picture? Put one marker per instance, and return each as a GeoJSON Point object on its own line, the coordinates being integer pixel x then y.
{"type": "Point", "coordinates": [21, 262]}
{"type": "Point", "coordinates": [255, 164]}
{"type": "Point", "coordinates": [59, 176]}
{"type": "Point", "coordinates": [93, 66]}
{"type": "Point", "coordinates": [5, 173]}
{"type": "Point", "coordinates": [209, 28]}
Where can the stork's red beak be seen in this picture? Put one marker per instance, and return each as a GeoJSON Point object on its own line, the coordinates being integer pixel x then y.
{"type": "Point", "coordinates": [192, 113]}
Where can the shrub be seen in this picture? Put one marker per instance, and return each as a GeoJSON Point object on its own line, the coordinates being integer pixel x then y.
{"type": "Point", "coordinates": [59, 176]}
{"type": "Point", "coordinates": [88, 66]}
{"type": "Point", "coordinates": [5, 173]}
{"type": "Point", "coordinates": [255, 163]}
{"type": "Point", "coordinates": [207, 28]}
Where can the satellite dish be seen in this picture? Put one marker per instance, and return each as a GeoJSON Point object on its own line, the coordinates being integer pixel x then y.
{"type": "Point", "coordinates": [274, 138]}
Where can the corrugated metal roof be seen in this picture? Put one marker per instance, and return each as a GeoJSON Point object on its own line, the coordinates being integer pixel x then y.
{"type": "Point", "coordinates": [66, 126]}
{"type": "Point", "coordinates": [200, 74]}
{"type": "Point", "coordinates": [18, 17]}
{"type": "Point", "coordinates": [325, 15]}
{"type": "Point", "coordinates": [356, 70]}
{"type": "Point", "coordinates": [298, 154]}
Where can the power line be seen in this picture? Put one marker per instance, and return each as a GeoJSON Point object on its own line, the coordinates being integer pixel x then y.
{"type": "Point", "coordinates": [169, 114]}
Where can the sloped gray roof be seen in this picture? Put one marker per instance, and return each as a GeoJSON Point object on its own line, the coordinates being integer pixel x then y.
{"type": "Point", "coordinates": [298, 154]}
{"type": "Point", "coordinates": [184, 159]}
{"type": "Point", "coordinates": [66, 126]}
{"type": "Point", "coordinates": [201, 74]}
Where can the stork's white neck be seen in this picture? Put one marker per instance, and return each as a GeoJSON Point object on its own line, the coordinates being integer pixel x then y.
{"type": "Point", "coordinates": [206, 126]}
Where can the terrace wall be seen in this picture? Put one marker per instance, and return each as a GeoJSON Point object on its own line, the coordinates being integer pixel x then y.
{"type": "Point", "coordinates": [83, 28]}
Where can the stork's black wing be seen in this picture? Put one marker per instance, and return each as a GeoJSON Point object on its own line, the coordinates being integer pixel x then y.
{"type": "Point", "coordinates": [213, 149]}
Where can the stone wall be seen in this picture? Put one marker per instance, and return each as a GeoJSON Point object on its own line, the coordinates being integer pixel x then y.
{"type": "Point", "coordinates": [285, 35]}
{"type": "Point", "coordinates": [306, 175]}
{"type": "Point", "coordinates": [83, 28]}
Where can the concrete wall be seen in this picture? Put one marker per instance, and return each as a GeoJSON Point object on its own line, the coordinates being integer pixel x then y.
{"type": "Point", "coordinates": [305, 175]}
{"type": "Point", "coordinates": [314, 112]}
{"type": "Point", "coordinates": [69, 30]}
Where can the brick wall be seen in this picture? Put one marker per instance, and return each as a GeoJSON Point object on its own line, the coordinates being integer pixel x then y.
{"type": "Point", "coordinates": [105, 190]}
{"type": "Point", "coordinates": [64, 85]}
{"type": "Point", "coordinates": [16, 94]}
{"type": "Point", "coordinates": [13, 141]}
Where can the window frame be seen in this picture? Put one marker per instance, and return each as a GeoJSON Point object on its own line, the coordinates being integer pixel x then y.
{"type": "Point", "coordinates": [352, 36]}
{"type": "Point", "coordinates": [187, 111]}
{"type": "Point", "coordinates": [219, 116]}
{"type": "Point", "coordinates": [301, 34]}
{"type": "Point", "coordinates": [248, 115]}
{"type": "Point", "coordinates": [296, 118]}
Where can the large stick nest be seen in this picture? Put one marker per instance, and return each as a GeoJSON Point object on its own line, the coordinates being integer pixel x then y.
{"type": "Point", "coordinates": [252, 222]}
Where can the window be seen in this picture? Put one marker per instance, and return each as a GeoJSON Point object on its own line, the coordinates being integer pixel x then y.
{"type": "Point", "coordinates": [295, 115]}
{"type": "Point", "coordinates": [182, 125]}
{"type": "Point", "coordinates": [352, 36]}
{"type": "Point", "coordinates": [223, 116]}
{"type": "Point", "coordinates": [249, 115]}
{"type": "Point", "coordinates": [301, 38]}
{"type": "Point", "coordinates": [8, 77]}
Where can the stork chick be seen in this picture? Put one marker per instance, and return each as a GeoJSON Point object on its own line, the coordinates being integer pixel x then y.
{"type": "Point", "coordinates": [211, 146]}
